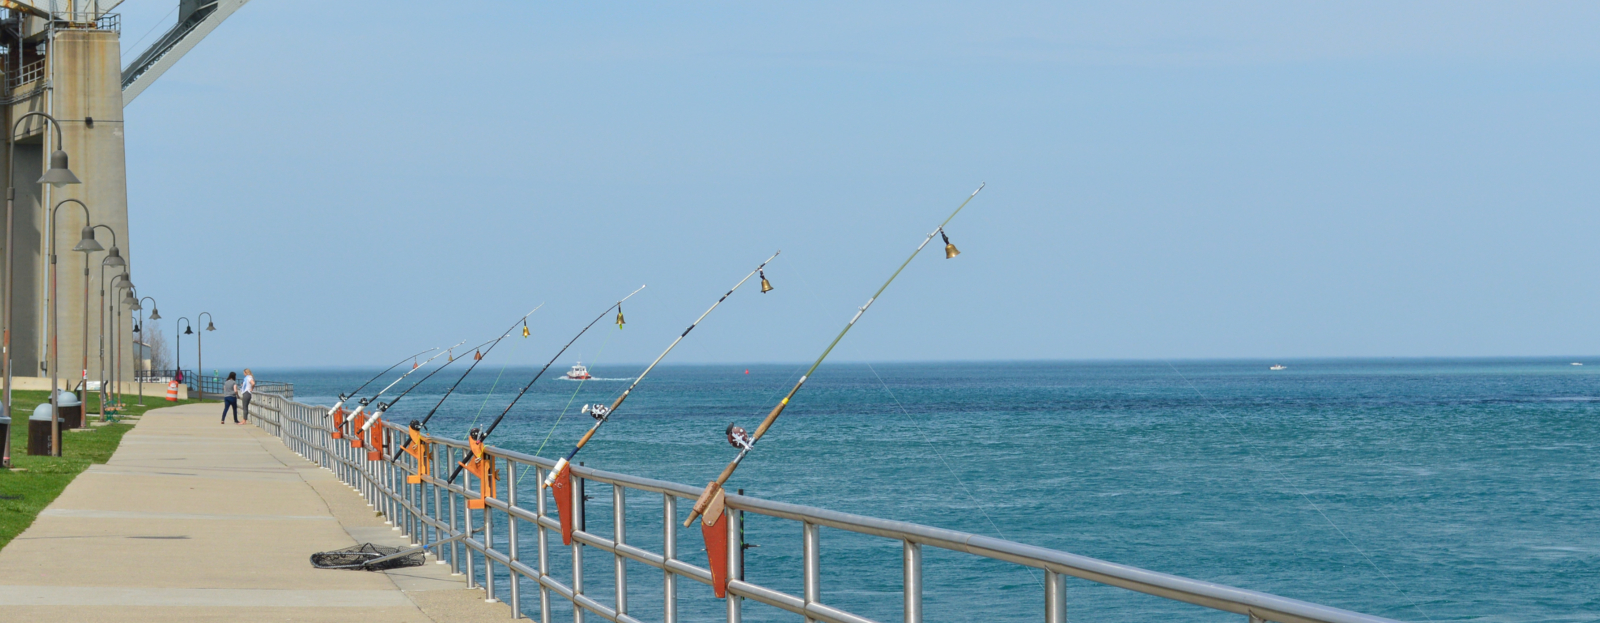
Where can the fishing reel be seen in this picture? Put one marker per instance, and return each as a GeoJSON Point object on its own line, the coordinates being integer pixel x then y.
{"type": "Point", "coordinates": [597, 411]}
{"type": "Point", "coordinates": [364, 401]}
{"type": "Point", "coordinates": [739, 438]}
{"type": "Point", "coordinates": [416, 425]}
{"type": "Point", "coordinates": [476, 434]}
{"type": "Point", "coordinates": [343, 397]}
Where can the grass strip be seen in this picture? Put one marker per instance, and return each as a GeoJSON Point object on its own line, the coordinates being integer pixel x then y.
{"type": "Point", "coordinates": [35, 481]}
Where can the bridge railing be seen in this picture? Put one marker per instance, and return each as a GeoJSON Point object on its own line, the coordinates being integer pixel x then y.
{"type": "Point", "coordinates": [497, 547]}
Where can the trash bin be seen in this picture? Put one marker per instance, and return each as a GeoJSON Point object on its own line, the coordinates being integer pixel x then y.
{"type": "Point", "coordinates": [5, 434]}
{"type": "Point", "coordinates": [71, 410]}
{"type": "Point", "coordinates": [39, 431]}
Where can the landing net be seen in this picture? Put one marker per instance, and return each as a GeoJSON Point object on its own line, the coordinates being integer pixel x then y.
{"type": "Point", "coordinates": [358, 557]}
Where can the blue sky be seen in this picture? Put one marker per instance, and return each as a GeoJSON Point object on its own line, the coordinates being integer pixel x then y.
{"type": "Point", "coordinates": [342, 183]}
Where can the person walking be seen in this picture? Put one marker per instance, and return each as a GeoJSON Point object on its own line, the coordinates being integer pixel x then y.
{"type": "Point", "coordinates": [246, 390]}
{"type": "Point", "coordinates": [230, 398]}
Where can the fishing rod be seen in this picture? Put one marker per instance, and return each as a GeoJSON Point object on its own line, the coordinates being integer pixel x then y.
{"type": "Point", "coordinates": [383, 407]}
{"type": "Point", "coordinates": [481, 435]}
{"type": "Point", "coordinates": [602, 413]}
{"type": "Point", "coordinates": [745, 441]}
{"type": "Point", "coordinates": [477, 357]}
{"type": "Point", "coordinates": [366, 401]}
{"type": "Point", "coordinates": [344, 397]}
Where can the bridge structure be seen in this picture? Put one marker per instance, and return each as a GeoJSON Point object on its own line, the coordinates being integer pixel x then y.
{"type": "Point", "coordinates": [62, 60]}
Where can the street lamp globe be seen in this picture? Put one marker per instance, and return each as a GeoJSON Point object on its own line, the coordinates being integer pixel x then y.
{"type": "Point", "coordinates": [59, 175]}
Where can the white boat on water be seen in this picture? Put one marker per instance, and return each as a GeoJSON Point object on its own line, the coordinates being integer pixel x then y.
{"type": "Point", "coordinates": [1576, 363]}
{"type": "Point", "coordinates": [1278, 366]}
{"type": "Point", "coordinates": [579, 373]}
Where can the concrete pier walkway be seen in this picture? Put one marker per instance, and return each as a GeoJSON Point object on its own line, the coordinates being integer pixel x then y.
{"type": "Point", "coordinates": [192, 520]}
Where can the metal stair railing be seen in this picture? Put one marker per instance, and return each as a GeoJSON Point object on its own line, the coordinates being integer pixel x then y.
{"type": "Point", "coordinates": [434, 510]}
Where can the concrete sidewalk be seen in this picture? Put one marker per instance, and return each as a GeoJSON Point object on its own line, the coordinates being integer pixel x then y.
{"type": "Point", "coordinates": [192, 520]}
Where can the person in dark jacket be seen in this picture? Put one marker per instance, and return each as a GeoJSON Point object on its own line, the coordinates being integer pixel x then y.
{"type": "Point", "coordinates": [230, 398]}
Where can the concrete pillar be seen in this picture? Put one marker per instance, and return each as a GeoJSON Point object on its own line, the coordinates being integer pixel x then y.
{"type": "Point", "coordinates": [83, 71]}
{"type": "Point", "coordinates": [86, 98]}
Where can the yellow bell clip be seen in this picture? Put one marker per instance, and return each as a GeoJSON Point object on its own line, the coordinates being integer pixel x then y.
{"type": "Point", "coordinates": [524, 328]}
{"type": "Point", "coordinates": [619, 317]}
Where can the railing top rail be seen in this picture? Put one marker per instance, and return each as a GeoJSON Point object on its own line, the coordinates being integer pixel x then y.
{"type": "Point", "coordinates": [1208, 594]}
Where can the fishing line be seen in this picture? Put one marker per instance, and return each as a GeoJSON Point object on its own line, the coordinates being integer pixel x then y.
{"type": "Point", "coordinates": [564, 409]}
{"type": "Point", "coordinates": [1245, 439]}
{"type": "Point", "coordinates": [494, 385]}
{"type": "Point", "coordinates": [923, 434]}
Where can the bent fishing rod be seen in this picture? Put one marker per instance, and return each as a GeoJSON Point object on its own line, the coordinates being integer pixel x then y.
{"type": "Point", "coordinates": [344, 397]}
{"type": "Point", "coordinates": [477, 358]}
{"type": "Point", "coordinates": [366, 401]}
{"type": "Point", "coordinates": [745, 441]}
{"type": "Point", "coordinates": [383, 407]}
{"type": "Point", "coordinates": [480, 436]}
{"type": "Point", "coordinates": [602, 413]}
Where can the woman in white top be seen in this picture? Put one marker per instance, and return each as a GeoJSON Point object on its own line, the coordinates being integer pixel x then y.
{"type": "Point", "coordinates": [246, 390]}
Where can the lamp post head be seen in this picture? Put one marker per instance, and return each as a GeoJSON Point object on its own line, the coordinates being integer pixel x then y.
{"type": "Point", "coordinates": [210, 326]}
{"type": "Point", "coordinates": [59, 175]}
{"type": "Point", "coordinates": [188, 330]}
{"type": "Point", "coordinates": [133, 304]}
{"type": "Point", "coordinates": [155, 313]}
{"type": "Point", "coordinates": [87, 243]}
{"type": "Point", "coordinates": [114, 258]}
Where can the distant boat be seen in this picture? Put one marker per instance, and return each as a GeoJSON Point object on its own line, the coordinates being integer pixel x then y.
{"type": "Point", "coordinates": [1576, 363]}
{"type": "Point", "coordinates": [579, 373]}
{"type": "Point", "coordinates": [1284, 367]}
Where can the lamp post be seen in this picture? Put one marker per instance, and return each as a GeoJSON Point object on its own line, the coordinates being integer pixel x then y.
{"type": "Point", "coordinates": [109, 383]}
{"type": "Point", "coordinates": [57, 175]}
{"type": "Point", "coordinates": [132, 302]}
{"type": "Point", "coordinates": [155, 314]}
{"type": "Point", "coordinates": [114, 259]}
{"type": "Point", "coordinates": [86, 245]}
{"type": "Point", "coordinates": [106, 329]}
{"type": "Point", "coordinates": [188, 329]}
{"type": "Point", "coordinates": [200, 353]}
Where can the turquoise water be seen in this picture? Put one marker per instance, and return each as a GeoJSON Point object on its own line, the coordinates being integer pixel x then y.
{"type": "Point", "coordinates": [1422, 490]}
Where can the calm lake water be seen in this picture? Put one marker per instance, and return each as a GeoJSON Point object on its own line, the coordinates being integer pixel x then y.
{"type": "Point", "coordinates": [1422, 490]}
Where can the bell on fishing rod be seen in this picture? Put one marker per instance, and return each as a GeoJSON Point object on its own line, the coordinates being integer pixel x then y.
{"type": "Point", "coordinates": [524, 328]}
{"type": "Point", "coordinates": [738, 437]}
{"type": "Point", "coordinates": [766, 286]}
{"type": "Point", "coordinates": [950, 250]}
{"type": "Point", "coordinates": [477, 355]}
{"type": "Point", "coordinates": [619, 317]}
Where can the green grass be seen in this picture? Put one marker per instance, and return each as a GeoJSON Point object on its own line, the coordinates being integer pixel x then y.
{"type": "Point", "coordinates": [24, 493]}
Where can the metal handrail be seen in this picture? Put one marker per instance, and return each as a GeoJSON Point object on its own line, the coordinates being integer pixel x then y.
{"type": "Point", "coordinates": [435, 510]}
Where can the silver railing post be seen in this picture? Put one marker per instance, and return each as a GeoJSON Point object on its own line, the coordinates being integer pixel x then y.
{"type": "Point", "coordinates": [1055, 597]}
{"type": "Point", "coordinates": [813, 562]}
{"type": "Point", "coordinates": [735, 562]}
{"type": "Point", "coordinates": [669, 551]}
{"type": "Point", "coordinates": [544, 547]}
{"type": "Point", "coordinates": [511, 534]}
{"type": "Point", "coordinates": [470, 566]}
{"type": "Point", "coordinates": [913, 581]}
{"type": "Point", "coordinates": [488, 541]}
{"type": "Point", "coordinates": [577, 547]}
{"type": "Point", "coordinates": [619, 531]}
{"type": "Point", "coordinates": [438, 502]}
{"type": "Point", "coordinates": [450, 496]}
